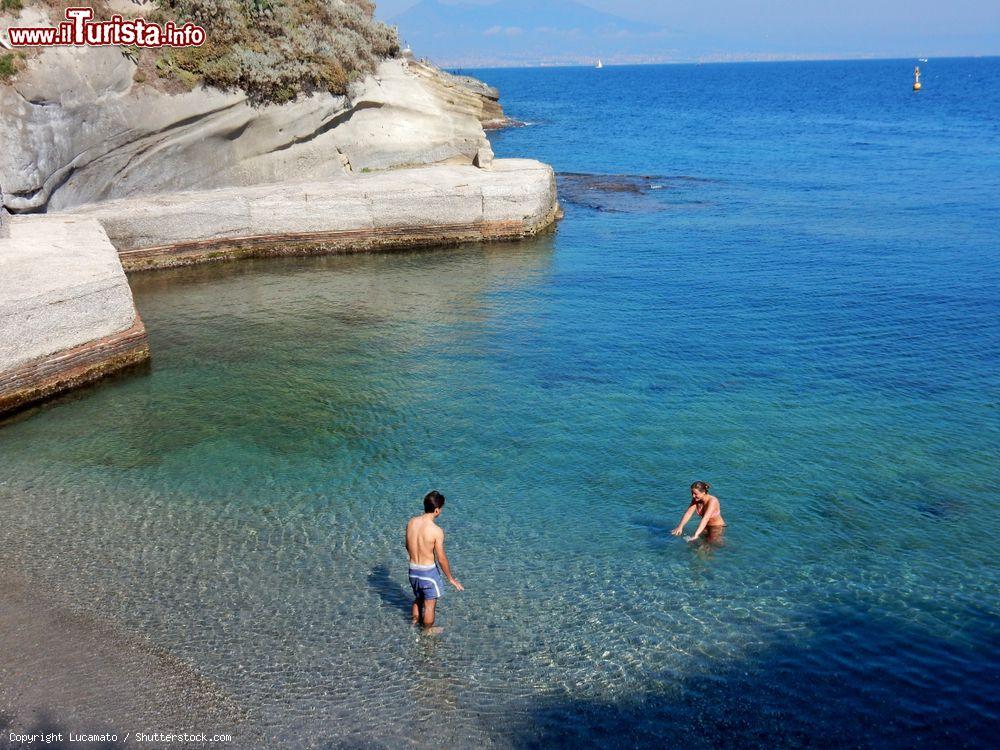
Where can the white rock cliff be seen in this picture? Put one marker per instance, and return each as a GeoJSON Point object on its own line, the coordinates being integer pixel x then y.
{"type": "Point", "coordinates": [77, 129]}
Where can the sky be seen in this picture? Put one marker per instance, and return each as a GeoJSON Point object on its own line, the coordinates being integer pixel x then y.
{"type": "Point", "coordinates": [809, 27]}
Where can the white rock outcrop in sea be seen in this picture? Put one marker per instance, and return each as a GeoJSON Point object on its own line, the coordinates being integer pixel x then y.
{"type": "Point", "coordinates": [77, 129]}
{"type": "Point", "coordinates": [444, 204]}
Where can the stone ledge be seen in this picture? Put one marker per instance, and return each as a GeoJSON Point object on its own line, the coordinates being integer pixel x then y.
{"type": "Point", "coordinates": [53, 374]}
{"type": "Point", "coordinates": [66, 312]}
{"type": "Point", "coordinates": [395, 210]}
{"type": "Point", "coordinates": [319, 243]}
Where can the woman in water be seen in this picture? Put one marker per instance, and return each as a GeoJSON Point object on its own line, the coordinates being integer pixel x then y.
{"type": "Point", "coordinates": [710, 511]}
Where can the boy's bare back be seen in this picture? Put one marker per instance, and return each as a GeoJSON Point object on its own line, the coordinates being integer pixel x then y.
{"type": "Point", "coordinates": [423, 538]}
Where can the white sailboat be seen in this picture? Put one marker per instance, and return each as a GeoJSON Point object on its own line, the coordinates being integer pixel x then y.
{"type": "Point", "coordinates": [599, 64]}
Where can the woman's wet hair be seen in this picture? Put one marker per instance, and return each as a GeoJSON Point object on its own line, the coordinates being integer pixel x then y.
{"type": "Point", "coordinates": [700, 486]}
{"type": "Point", "coordinates": [433, 500]}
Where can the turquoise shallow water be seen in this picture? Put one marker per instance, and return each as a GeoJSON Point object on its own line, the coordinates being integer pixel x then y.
{"type": "Point", "coordinates": [792, 293]}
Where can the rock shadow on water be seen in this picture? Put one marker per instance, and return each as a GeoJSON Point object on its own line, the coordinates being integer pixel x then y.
{"type": "Point", "coordinates": [79, 393]}
{"type": "Point", "coordinates": [856, 682]}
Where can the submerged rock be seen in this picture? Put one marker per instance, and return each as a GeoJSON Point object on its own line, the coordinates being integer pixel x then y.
{"type": "Point", "coordinates": [625, 193]}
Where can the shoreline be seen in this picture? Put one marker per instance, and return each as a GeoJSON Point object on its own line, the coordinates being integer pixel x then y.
{"type": "Point", "coordinates": [66, 669]}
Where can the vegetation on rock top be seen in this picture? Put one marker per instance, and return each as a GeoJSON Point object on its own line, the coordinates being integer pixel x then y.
{"type": "Point", "coordinates": [8, 67]}
{"type": "Point", "coordinates": [276, 49]}
{"type": "Point", "coordinates": [272, 50]}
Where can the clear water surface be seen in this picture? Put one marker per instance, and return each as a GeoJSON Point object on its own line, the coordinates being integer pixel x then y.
{"type": "Point", "coordinates": [796, 298]}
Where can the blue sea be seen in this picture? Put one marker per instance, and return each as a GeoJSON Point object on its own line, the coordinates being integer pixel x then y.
{"type": "Point", "coordinates": [783, 279]}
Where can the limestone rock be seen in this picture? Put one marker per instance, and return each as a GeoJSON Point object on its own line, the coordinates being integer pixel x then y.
{"type": "Point", "coordinates": [484, 158]}
{"type": "Point", "coordinates": [382, 210]}
{"type": "Point", "coordinates": [66, 310]}
{"type": "Point", "coordinates": [491, 114]}
{"type": "Point", "coordinates": [76, 129]}
{"type": "Point", "coordinates": [467, 93]}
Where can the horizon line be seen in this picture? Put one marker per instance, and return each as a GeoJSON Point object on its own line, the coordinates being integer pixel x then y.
{"type": "Point", "coordinates": [706, 61]}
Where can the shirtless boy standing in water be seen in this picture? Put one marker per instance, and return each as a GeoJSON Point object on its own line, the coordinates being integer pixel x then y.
{"type": "Point", "coordinates": [425, 544]}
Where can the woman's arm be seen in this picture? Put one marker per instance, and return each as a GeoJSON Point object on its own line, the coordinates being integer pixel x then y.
{"type": "Point", "coordinates": [687, 517]}
{"type": "Point", "coordinates": [709, 509]}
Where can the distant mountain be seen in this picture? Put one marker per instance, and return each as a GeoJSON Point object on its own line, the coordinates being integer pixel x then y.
{"type": "Point", "coordinates": [528, 32]}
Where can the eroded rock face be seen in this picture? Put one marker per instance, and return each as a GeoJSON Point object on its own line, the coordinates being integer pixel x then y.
{"type": "Point", "coordinates": [77, 129]}
{"type": "Point", "coordinates": [473, 93]}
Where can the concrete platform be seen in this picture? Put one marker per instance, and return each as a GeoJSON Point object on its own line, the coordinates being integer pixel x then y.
{"type": "Point", "coordinates": [66, 312]}
{"type": "Point", "coordinates": [403, 208]}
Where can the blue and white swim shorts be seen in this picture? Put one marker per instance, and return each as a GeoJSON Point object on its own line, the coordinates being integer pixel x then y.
{"type": "Point", "coordinates": [426, 581]}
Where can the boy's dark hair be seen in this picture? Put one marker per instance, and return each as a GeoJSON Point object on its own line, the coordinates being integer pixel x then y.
{"type": "Point", "coordinates": [432, 501]}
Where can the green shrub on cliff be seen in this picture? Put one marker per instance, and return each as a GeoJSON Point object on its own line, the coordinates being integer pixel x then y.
{"type": "Point", "coordinates": [276, 49]}
{"type": "Point", "coordinates": [7, 67]}
{"type": "Point", "coordinates": [11, 6]}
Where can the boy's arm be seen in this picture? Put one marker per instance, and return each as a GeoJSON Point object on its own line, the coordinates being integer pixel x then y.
{"type": "Point", "coordinates": [443, 562]}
